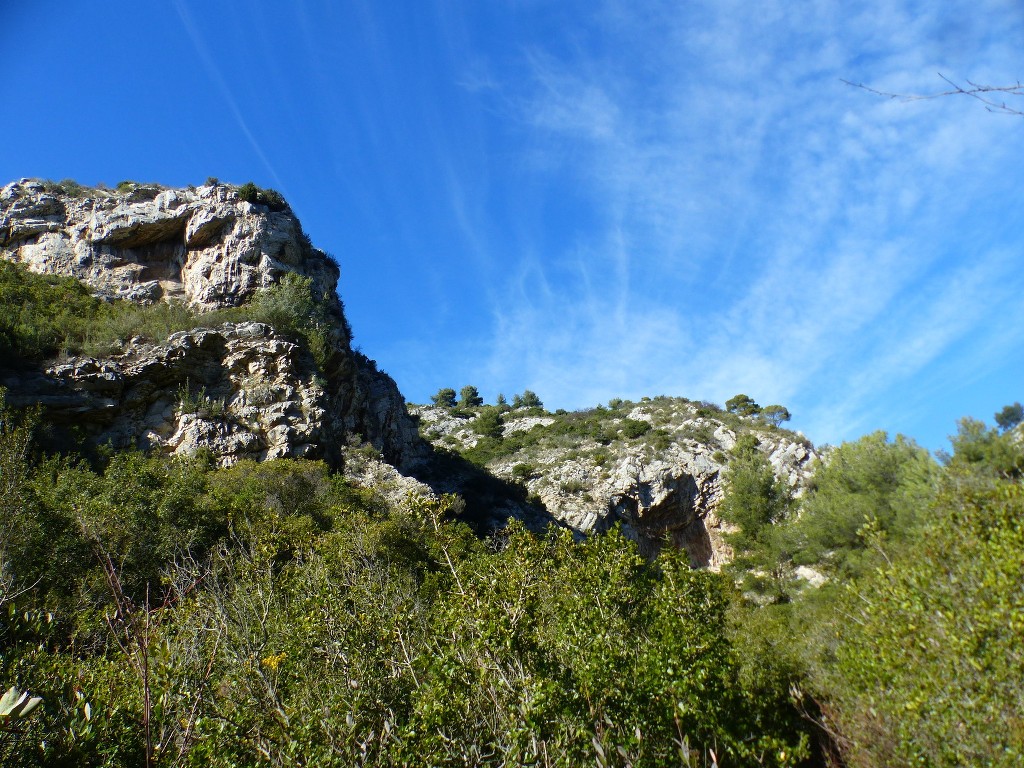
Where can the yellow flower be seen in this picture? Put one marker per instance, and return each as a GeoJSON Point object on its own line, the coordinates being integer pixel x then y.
{"type": "Point", "coordinates": [274, 661]}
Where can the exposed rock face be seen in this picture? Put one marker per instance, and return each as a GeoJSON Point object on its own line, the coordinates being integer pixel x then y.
{"type": "Point", "coordinates": [243, 391]}
{"type": "Point", "coordinates": [239, 390]}
{"type": "Point", "coordinates": [664, 489]}
{"type": "Point", "coordinates": [204, 246]}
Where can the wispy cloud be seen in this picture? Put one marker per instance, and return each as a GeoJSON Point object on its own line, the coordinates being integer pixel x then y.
{"type": "Point", "coordinates": [761, 227]}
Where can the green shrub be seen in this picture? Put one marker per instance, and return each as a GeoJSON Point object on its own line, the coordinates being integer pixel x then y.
{"type": "Point", "coordinates": [271, 198]}
{"type": "Point", "coordinates": [702, 432]}
{"type": "Point", "coordinates": [925, 667]}
{"type": "Point", "coordinates": [71, 188]}
{"type": "Point", "coordinates": [469, 397]}
{"type": "Point", "coordinates": [527, 399]}
{"type": "Point", "coordinates": [294, 310]}
{"type": "Point", "coordinates": [979, 448]}
{"type": "Point", "coordinates": [753, 497]}
{"type": "Point", "coordinates": [197, 401]}
{"type": "Point", "coordinates": [489, 423]}
{"type": "Point", "coordinates": [43, 315]}
{"type": "Point", "coordinates": [870, 481]}
{"type": "Point", "coordinates": [634, 428]}
{"type": "Point", "coordinates": [572, 486]}
{"type": "Point", "coordinates": [523, 472]}
{"type": "Point", "coordinates": [284, 589]}
{"type": "Point", "coordinates": [662, 440]}
{"type": "Point", "coordinates": [444, 398]}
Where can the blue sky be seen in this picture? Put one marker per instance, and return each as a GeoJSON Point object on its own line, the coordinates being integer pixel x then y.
{"type": "Point", "coordinates": [591, 199]}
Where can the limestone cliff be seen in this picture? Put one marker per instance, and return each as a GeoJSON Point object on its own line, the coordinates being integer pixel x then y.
{"type": "Point", "coordinates": [244, 390]}
{"type": "Point", "coordinates": [240, 390]}
{"type": "Point", "coordinates": [655, 466]}
{"type": "Point", "coordinates": [205, 245]}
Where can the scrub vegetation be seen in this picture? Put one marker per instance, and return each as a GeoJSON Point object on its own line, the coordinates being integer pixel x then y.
{"type": "Point", "coordinates": [46, 316]}
{"type": "Point", "coordinates": [486, 434]}
{"type": "Point", "coordinates": [169, 612]}
{"type": "Point", "coordinates": [158, 611]}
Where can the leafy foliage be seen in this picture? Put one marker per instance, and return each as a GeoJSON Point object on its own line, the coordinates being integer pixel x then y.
{"type": "Point", "coordinates": [444, 398]}
{"type": "Point", "coordinates": [294, 309]}
{"type": "Point", "coordinates": [527, 399]}
{"type": "Point", "coordinates": [489, 423]}
{"type": "Point", "coordinates": [980, 448]}
{"type": "Point", "coordinates": [1010, 416]}
{"type": "Point", "coordinates": [775, 414]}
{"type": "Point", "coordinates": [742, 405]}
{"type": "Point", "coordinates": [927, 664]}
{"type": "Point", "coordinates": [165, 612]}
{"type": "Point", "coordinates": [274, 609]}
{"type": "Point", "coordinates": [634, 428]}
{"type": "Point", "coordinates": [870, 482]}
{"type": "Point", "coordinates": [271, 198]}
{"type": "Point", "coordinates": [753, 497]}
{"type": "Point", "coordinates": [469, 397]}
{"type": "Point", "coordinates": [41, 316]}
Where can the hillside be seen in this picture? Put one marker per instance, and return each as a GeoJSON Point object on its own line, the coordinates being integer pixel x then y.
{"type": "Point", "coordinates": [257, 364]}
{"type": "Point", "coordinates": [225, 538]}
{"type": "Point", "coordinates": [655, 467]}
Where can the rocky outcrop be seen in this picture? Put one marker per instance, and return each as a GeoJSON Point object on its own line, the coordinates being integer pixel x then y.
{"type": "Point", "coordinates": [241, 390]}
{"type": "Point", "coordinates": [238, 390]}
{"type": "Point", "coordinates": [204, 246]}
{"type": "Point", "coordinates": [663, 485]}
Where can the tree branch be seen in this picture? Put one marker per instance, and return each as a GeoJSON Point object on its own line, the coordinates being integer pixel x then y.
{"type": "Point", "coordinates": [983, 93]}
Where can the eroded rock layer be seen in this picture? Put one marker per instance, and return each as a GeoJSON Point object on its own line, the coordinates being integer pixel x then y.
{"type": "Point", "coordinates": [239, 390]}
{"type": "Point", "coordinates": [663, 485]}
{"type": "Point", "coordinates": [204, 245]}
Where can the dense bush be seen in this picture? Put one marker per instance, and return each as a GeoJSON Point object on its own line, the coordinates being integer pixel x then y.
{"type": "Point", "coordinates": [527, 399]}
{"type": "Point", "coordinates": [444, 398]}
{"type": "Point", "coordinates": [634, 428]}
{"type": "Point", "coordinates": [293, 616]}
{"type": "Point", "coordinates": [869, 482]}
{"type": "Point", "coordinates": [295, 311]}
{"type": "Point", "coordinates": [489, 423]}
{"type": "Point", "coordinates": [469, 397]}
{"type": "Point", "coordinates": [271, 198]}
{"type": "Point", "coordinates": [925, 666]}
{"type": "Point", "coordinates": [754, 498]}
{"type": "Point", "coordinates": [43, 315]}
{"type": "Point", "coordinates": [172, 613]}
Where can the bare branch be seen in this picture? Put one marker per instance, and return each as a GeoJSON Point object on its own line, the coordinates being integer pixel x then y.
{"type": "Point", "coordinates": [986, 94]}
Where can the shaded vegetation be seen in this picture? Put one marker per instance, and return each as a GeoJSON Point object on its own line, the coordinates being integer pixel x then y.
{"type": "Point", "coordinates": [909, 654]}
{"type": "Point", "coordinates": [271, 198]}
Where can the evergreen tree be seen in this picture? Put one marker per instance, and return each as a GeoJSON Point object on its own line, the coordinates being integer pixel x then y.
{"type": "Point", "coordinates": [528, 399]}
{"type": "Point", "coordinates": [445, 398]}
{"type": "Point", "coordinates": [775, 414]}
{"type": "Point", "coordinates": [1010, 416]}
{"type": "Point", "coordinates": [742, 405]}
{"type": "Point", "coordinates": [469, 397]}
